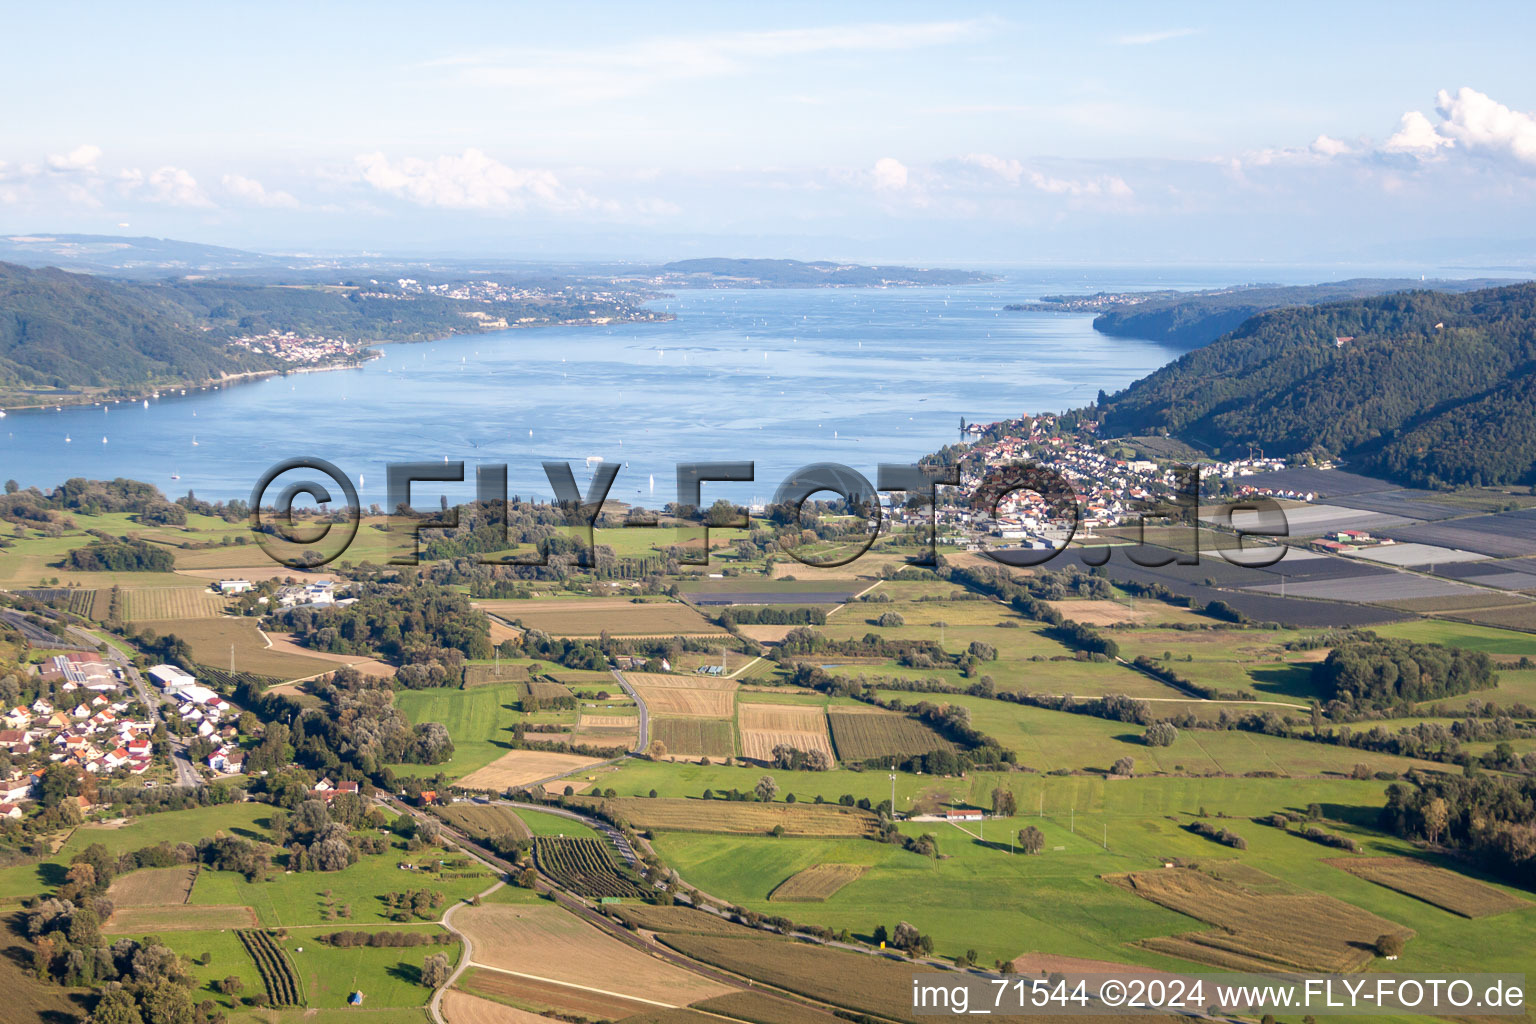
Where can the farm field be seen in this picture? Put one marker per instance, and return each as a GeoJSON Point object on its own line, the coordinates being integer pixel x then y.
{"type": "Point", "coordinates": [815, 883]}
{"type": "Point", "coordinates": [479, 719]}
{"type": "Point", "coordinates": [211, 640]}
{"type": "Point", "coordinates": [299, 899]}
{"type": "Point", "coordinates": [694, 737]}
{"type": "Point", "coordinates": [1501, 644]}
{"type": "Point", "coordinates": [143, 920]}
{"type": "Point", "coordinates": [513, 992]}
{"type": "Point", "coordinates": [617, 617]}
{"type": "Point", "coordinates": [460, 1007]}
{"type": "Point", "coordinates": [546, 942]}
{"type": "Point", "coordinates": [743, 818]}
{"type": "Point", "coordinates": [1047, 740]}
{"type": "Point", "coordinates": [689, 702]}
{"type": "Point", "coordinates": [152, 887]}
{"type": "Point", "coordinates": [482, 821]}
{"type": "Point", "coordinates": [765, 726]}
{"type": "Point", "coordinates": [388, 976]}
{"type": "Point", "coordinates": [1256, 930]}
{"type": "Point", "coordinates": [523, 768]}
{"type": "Point", "coordinates": [607, 730]}
{"type": "Point", "coordinates": [585, 867]}
{"type": "Point", "coordinates": [1445, 889]}
{"type": "Point", "coordinates": [689, 681]}
{"type": "Point", "coordinates": [139, 604]}
{"type": "Point", "coordinates": [863, 734]}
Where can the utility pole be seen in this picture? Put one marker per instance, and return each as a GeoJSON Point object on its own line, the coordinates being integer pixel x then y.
{"type": "Point", "coordinates": [1072, 820]}
{"type": "Point", "coordinates": [893, 790]}
{"type": "Point", "coordinates": [1106, 836]}
{"type": "Point", "coordinates": [231, 659]}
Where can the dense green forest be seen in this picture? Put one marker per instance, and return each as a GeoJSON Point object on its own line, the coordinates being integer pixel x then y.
{"type": "Point", "coordinates": [1429, 388]}
{"type": "Point", "coordinates": [1188, 320]}
{"type": "Point", "coordinates": [1381, 672]}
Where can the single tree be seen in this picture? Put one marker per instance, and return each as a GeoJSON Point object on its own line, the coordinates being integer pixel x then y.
{"type": "Point", "coordinates": [1123, 766]}
{"type": "Point", "coordinates": [435, 970]}
{"type": "Point", "coordinates": [1390, 944]}
{"type": "Point", "coordinates": [766, 788]}
{"type": "Point", "coordinates": [1004, 803]}
{"type": "Point", "coordinates": [1031, 839]}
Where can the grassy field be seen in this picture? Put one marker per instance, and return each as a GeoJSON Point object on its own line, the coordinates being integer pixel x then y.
{"type": "Point", "coordinates": [479, 821]}
{"type": "Point", "coordinates": [479, 719]}
{"type": "Point", "coordinates": [152, 886]}
{"type": "Point", "coordinates": [742, 818]}
{"type": "Point", "coordinates": [1489, 639]}
{"type": "Point", "coordinates": [211, 640]}
{"type": "Point", "coordinates": [316, 898]}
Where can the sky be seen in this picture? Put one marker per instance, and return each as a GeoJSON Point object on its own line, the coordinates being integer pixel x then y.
{"type": "Point", "coordinates": [964, 133]}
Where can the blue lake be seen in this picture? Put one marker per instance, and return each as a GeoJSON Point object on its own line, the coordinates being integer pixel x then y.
{"type": "Point", "coordinates": [779, 377]}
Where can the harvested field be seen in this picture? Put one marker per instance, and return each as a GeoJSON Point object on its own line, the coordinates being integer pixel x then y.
{"type": "Point", "coordinates": [1437, 886]}
{"type": "Point", "coordinates": [686, 682]}
{"type": "Point", "coordinates": [741, 818]}
{"type": "Point", "coordinates": [815, 883]}
{"type": "Point", "coordinates": [694, 737]}
{"type": "Point", "coordinates": [149, 887]}
{"type": "Point", "coordinates": [675, 700]}
{"type": "Point", "coordinates": [616, 617]}
{"type": "Point", "coordinates": [673, 919]}
{"type": "Point", "coordinates": [581, 1002]}
{"type": "Point", "coordinates": [177, 918]}
{"type": "Point", "coordinates": [1259, 931]}
{"type": "Point", "coordinates": [607, 722]}
{"type": "Point", "coordinates": [211, 638]}
{"type": "Point", "coordinates": [544, 689]}
{"type": "Point", "coordinates": [862, 735]}
{"type": "Point", "coordinates": [1101, 612]}
{"type": "Point", "coordinates": [765, 634]}
{"type": "Point", "coordinates": [284, 643]}
{"type": "Point", "coordinates": [524, 767]}
{"type": "Point", "coordinates": [765, 726]}
{"type": "Point", "coordinates": [763, 1009]}
{"type": "Point", "coordinates": [171, 603]}
{"type": "Point", "coordinates": [548, 943]}
{"type": "Point", "coordinates": [479, 821]}
{"type": "Point", "coordinates": [463, 1008]}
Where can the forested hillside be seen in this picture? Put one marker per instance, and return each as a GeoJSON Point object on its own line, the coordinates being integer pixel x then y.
{"type": "Point", "coordinates": [59, 329]}
{"type": "Point", "coordinates": [1428, 388]}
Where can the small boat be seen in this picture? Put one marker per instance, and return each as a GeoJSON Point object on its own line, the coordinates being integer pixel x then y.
{"type": "Point", "coordinates": [146, 403]}
{"type": "Point", "coordinates": [67, 439]}
{"type": "Point", "coordinates": [194, 440]}
{"type": "Point", "coordinates": [175, 476]}
{"type": "Point", "coordinates": [103, 438]}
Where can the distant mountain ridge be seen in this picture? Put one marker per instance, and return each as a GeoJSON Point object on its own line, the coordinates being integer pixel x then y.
{"type": "Point", "coordinates": [1428, 388]}
{"type": "Point", "coordinates": [767, 273]}
{"type": "Point", "coordinates": [1187, 320]}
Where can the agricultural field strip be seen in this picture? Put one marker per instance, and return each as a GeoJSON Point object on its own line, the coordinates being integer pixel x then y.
{"type": "Point", "coordinates": [764, 726]}
{"type": "Point", "coordinates": [1439, 887]}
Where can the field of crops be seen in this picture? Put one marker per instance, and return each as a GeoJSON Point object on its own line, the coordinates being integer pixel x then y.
{"type": "Point", "coordinates": [1259, 931]}
{"type": "Point", "coordinates": [176, 917]}
{"type": "Point", "coordinates": [483, 675]}
{"type": "Point", "coordinates": [694, 737]}
{"type": "Point", "coordinates": [150, 887]}
{"type": "Point", "coordinates": [277, 972]}
{"type": "Point", "coordinates": [689, 702]}
{"type": "Point", "coordinates": [481, 821]}
{"type": "Point", "coordinates": [584, 867]}
{"type": "Point", "coordinates": [170, 603]}
{"type": "Point", "coordinates": [765, 726]}
{"type": "Point", "coordinates": [506, 989]}
{"type": "Point", "coordinates": [616, 617]}
{"type": "Point", "coordinates": [1444, 889]}
{"type": "Point", "coordinates": [212, 638]}
{"type": "Point", "coordinates": [545, 690]}
{"type": "Point", "coordinates": [815, 883]}
{"type": "Point", "coordinates": [743, 818]}
{"type": "Point", "coordinates": [862, 735]}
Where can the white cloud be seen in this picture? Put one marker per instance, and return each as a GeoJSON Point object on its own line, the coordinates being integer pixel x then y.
{"type": "Point", "coordinates": [1111, 185]}
{"type": "Point", "coordinates": [81, 158]}
{"type": "Point", "coordinates": [1009, 170]}
{"type": "Point", "coordinates": [252, 191]}
{"type": "Point", "coordinates": [172, 186]}
{"type": "Point", "coordinates": [890, 174]}
{"type": "Point", "coordinates": [1480, 124]}
{"type": "Point", "coordinates": [1416, 136]}
{"type": "Point", "coordinates": [470, 181]}
{"type": "Point", "coordinates": [1328, 147]}
{"type": "Point", "coordinates": [1148, 38]}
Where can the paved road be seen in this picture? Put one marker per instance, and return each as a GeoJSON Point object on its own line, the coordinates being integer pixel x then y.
{"type": "Point", "coordinates": [34, 633]}
{"type": "Point", "coordinates": [645, 722]}
{"type": "Point", "coordinates": [155, 703]}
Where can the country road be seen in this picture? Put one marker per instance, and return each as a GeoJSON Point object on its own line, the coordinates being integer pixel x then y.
{"type": "Point", "coordinates": [645, 723]}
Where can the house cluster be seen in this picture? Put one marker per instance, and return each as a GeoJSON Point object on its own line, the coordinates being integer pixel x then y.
{"type": "Point", "coordinates": [1250, 490]}
{"type": "Point", "coordinates": [327, 790]}
{"type": "Point", "coordinates": [320, 594]}
{"type": "Point", "coordinates": [292, 347]}
{"type": "Point", "coordinates": [1244, 467]}
{"type": "Point", "coordinates": [206, 713]}
{"type": "Point", "coordinates": [95, 735]}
